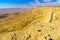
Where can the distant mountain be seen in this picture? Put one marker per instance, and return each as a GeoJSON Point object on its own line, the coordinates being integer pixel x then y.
{"type": "Point", "coordinates": [12, 10]}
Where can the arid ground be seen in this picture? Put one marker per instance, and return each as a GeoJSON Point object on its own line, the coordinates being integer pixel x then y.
{"type": "Point", "coordinates": [40, 23]}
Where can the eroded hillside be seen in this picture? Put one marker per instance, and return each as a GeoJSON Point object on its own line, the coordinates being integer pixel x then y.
{"type": "Point", "coordinates": [40, 23]}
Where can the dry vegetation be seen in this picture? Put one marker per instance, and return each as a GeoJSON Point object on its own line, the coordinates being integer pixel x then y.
{"type": "Point", "coordinates": [40, 23]}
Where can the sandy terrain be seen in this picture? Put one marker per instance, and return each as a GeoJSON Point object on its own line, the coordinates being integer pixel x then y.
{"type": "Point", "coordinates": [40, 23]}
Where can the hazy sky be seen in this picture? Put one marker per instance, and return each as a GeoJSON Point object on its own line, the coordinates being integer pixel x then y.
{"type": "Point", "coordinates": [26, 3]}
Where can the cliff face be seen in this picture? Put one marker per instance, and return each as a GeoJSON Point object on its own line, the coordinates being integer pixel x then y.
{"type": "Point", "coordinates": [40, 23]}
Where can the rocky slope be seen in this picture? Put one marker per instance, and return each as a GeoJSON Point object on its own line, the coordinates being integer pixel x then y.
{"type": "Point", "coordinates": [40, 23]}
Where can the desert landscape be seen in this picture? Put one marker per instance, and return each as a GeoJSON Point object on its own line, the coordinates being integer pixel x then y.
{"type": "Point", "coordinates": [39, 23]}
